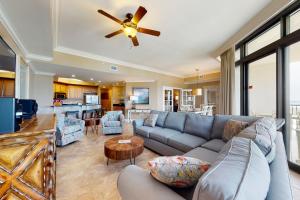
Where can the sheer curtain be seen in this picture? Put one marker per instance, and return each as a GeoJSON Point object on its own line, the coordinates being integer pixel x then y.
{"type": "Point", "coordinates": [227, 82]}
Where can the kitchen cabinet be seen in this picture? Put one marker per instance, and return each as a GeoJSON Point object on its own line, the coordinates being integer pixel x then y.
{"type": "Point", "coordinates": [60, 88]}
{"type": "Point", "coordinates": [7, 87]}
{"type": "Point", "coordinates": [74, 91]}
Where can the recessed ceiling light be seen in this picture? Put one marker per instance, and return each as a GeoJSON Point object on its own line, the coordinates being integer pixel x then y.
{"type": "Point", "coordinates": [73, 75]}
{"type": "Point", "coordinates": [92, 79]}
{"type": "Point", "coordinates": [99, 81]}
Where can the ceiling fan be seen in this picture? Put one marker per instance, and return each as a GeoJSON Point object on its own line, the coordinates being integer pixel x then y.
{"type": "Point", "coordinates": [130, 25]}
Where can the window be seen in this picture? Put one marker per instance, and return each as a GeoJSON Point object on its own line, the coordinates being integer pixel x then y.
{"type": "Point", "coordinates": [262, 87]}
{"type": "Point", "coordinates": [270, 78]}
{"type": "Point", "coordinates": [237, 55]}
{"type": "Point", "coordinates": [266, 38]}
{"type": "Point", "coordinates": [293, 22]}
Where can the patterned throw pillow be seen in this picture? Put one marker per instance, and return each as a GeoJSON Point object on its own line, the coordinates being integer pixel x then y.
{"type": "Point", "coordinates": [177, 171]}
{"type": "Point", "coordinates": [151, 120]}
{"type": "Point", "coordinates": [232, 128]}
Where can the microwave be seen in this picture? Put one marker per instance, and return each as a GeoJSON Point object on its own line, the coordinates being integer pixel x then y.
{"type": "Point", "coordinates": [60, 95]}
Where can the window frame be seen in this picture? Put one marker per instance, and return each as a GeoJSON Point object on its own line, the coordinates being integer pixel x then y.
{"type": "Point", "coordinates": [277, 47]}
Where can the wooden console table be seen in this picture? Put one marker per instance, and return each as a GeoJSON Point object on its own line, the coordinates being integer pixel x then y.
{"type": "Point", "coordinates": [27, 160]}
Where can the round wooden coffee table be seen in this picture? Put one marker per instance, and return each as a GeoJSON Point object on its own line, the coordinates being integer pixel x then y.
{"type": "Point", "coordinates": [116, 151]}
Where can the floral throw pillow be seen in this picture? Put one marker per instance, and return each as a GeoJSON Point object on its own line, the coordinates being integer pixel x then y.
{"type": "Point", "coordinates": [177, 171]}
{"type": "Point", "coordinates": [232, 128]}
{"type": "Point", "coordinates": [151, 120]}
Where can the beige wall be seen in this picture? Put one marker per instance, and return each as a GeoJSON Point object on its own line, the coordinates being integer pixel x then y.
{"type": "Point", "coordinates": [153, 100]}
{"type": "Point", "coordinates": [41, 89]}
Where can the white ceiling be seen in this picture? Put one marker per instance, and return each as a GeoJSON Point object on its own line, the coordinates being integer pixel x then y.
{"type": "Point", "coordinates": [84, 74]}
{"type": "Point", "coordinates": [190, 30]}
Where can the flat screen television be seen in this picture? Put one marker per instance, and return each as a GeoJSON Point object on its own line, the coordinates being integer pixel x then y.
{"type": "Point", "coordinates": [142, 95]}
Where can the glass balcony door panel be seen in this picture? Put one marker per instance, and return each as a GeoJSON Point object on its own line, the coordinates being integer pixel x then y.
{"type": "Point", "coordinates": [293, 22]}
{"type": "Point", "coordinates": [264, 39]}
{"type": "Point", "coordinates": [262, 87]}
{"type": "Point", "coordinates": [293, 117]}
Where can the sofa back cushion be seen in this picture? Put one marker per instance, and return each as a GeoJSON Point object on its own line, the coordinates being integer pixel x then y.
{"type": "Point", "coordinates": [221, 120]}
{"type": "Point", "coordinates": [161, 117]}
{"type": "Point", "coordinates": [175, 120]}
{"type": "Point", "coordinates": [240, 172]}
{"type": "Point", "coordinates": [198, 125]}
{"type": "Point", "coordinates": [263, 132]}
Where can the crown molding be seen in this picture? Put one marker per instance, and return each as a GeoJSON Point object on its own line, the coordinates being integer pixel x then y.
{"type": "Point", "coordinates": [146, 81]}
{"type": "Point", "coordinates": [54, 21]}
{"type": "Point", "coordinates": [79, 53]}
{"type": "Point", "coordinates": [9, 28]}
{"type": "Point", "coordinates": [38, 57]}
{"type": "Point", "coordinates": [217, 70]}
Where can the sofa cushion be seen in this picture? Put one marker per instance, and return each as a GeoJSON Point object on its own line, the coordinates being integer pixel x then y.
{"type": "Point", "coordinates": [232, 128]}
{"type": "Point", "coordinates": [150, 120]}
{"type": "Point", "coordinates": [203, 154]}
{"type": "Point", "coordinates": [177, 171]}
{"type": "Point", "coordinates": [145, 130]}
{"type": "Point", "coordinates": [280, 187]}
{"type": "Point", "coordinates": [240, 172]}
{"type": "Point", "coordinates": [161, 117]}
{"type": "Point", "coordinates": [162, 134]}
{"type": "Point", "coordinates": [135, 183]}
{"type": "Point", "coordinates": [175, 120]}
{"type": "Point", "coordinates": [198, 125]}
{"type": "Point", "coordinates": [112, 123]}
{"type": "Point", "coordinates": [263, 133]}
{"type": "Point", "coordinates": [220, 121]}
{"type": "Point", "coordinates": [214, 145]}
{"type": "Point", "coordinates": [185, 142]}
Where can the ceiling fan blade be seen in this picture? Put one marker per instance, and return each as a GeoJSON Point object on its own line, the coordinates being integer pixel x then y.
{"type": "Point", "coordinates": [141, 11]}
{"type": "Point", "coordinates": [148, 31]}
{"type": "Point", "coordinates": [110, 16]}
{"type": "Point", "coordinates": [135, 41]}
{"type": "Point", "coordinates": [114, 33]}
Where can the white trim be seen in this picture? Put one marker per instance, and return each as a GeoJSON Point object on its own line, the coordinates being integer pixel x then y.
{"type": "Point", "coordinates": [44, 73]}
{"type": "Point", "coordinates": [204, 73]}
{"type": "Point", "coordinates": [38, 57]}
{"type": "Point", "coordinates": [146, 81]}
{"type": "Point", "coordinates": [54, 21]}
{"type": "Point", "coordinates": [7, 25]}
{"type": "Point", "coordinates": [9, 28]}
{"type": "Point", "coordinates": [75, 52]}
{"type": "Point", "coordinates": [17, 79]}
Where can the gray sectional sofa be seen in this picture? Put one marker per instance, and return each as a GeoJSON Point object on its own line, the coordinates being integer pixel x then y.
{"type": "Point", "coordinates": [201, 137]}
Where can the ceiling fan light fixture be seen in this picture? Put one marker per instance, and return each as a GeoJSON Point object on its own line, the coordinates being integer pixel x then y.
{"type": "Point", "coordinates": [130, 31]}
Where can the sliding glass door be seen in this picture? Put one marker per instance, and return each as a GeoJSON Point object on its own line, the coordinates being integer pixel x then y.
{"type": "Point", "coordinates": [293, 101]}
{"type": "Point", "coordinates": [269, 63]}
{"type": "Point", "coordinates": [262, 87]}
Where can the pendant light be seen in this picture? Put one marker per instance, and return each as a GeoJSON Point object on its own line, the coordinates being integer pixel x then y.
{"type": "Point", "coordinates": [199, 90]}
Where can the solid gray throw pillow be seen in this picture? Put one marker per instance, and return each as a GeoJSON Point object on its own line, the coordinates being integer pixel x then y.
{"type": "Point", "coordinates": [240, 172]}
{"type": "Point", "coordinates": [151, 120]}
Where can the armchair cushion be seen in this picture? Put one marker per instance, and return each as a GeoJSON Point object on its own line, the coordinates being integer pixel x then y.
{"type": "Point", "coordinates": [112, 123]}
{"type": "Point", "coordinates": [113, 115]}
{"type": "Point", "coordinates": [71, 129]}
